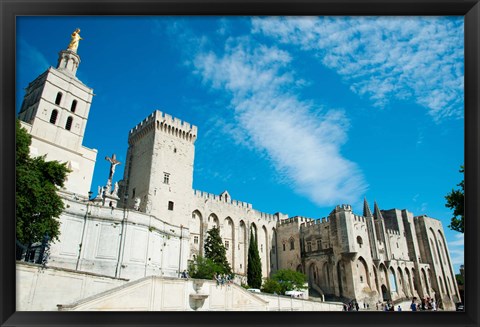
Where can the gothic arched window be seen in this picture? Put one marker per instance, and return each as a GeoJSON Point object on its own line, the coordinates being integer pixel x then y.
{"type": "Point", "coordinates": [68, 125]}
{"type": "Point", "coordinates": [59, 98]}
{"type": "Point", "coordinates": [53, 116]}
{"type": "Point", "coordinates": [74, 106]}
{"type": "Point", "coordinates": [292, 244]}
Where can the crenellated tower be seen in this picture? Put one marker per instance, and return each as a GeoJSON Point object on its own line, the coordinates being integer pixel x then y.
{"type": "Point", "coordinates": [158, 175]}
{"type": "Point", "coordinates": [55, 112]}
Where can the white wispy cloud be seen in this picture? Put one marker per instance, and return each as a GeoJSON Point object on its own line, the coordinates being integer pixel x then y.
{"type": "Point", "coordinates": [456, 249]}
{"type": "Point", "coordinates": [385, 58]}
{"type": "Point", "coordinates": [301, 138]}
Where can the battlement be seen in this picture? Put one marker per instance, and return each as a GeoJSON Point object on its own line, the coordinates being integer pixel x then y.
{"type": "Point", "coordinates": [163, 122]}
{"type": "Point", "coordinates": [240, 204]}
{"type": "Point", "coordinates": [359, 218]}
{"type": "Point", "coordinates": [295, 219]}
{"type": "Point", "coordinates": [343, 207]}
{"type": "Point", "coordinates": [393, 232]}
{"type": "Point", "coordinates": [314, 222]}
{"type": "Point", "coordinates": [266, 216]}
{"type": "Point", "coordinates": [219, 198]}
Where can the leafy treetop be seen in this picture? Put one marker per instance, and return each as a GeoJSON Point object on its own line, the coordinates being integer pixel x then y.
{"type": "Point", "coordinates": [37, 203]}
{"type": "Point", "coordinates": [455, 200]}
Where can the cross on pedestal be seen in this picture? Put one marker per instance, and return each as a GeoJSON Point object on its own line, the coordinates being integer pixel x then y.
{"type": "Point", "coordinates": [113, 163]}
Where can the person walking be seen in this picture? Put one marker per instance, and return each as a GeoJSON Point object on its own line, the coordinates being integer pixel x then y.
{"type": "Point", "coordinates": [413, 306]}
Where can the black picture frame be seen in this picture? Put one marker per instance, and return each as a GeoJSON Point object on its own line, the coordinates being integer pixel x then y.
{"type": "Point", "coordinates": [10, 9]}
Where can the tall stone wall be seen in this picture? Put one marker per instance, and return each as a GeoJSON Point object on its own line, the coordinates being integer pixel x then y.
{"type": "Point", "coordinates": [337, 256]}
{"type": "Point", "coordinates": [118, 242]}
{"type": "Point", "coordinates": [235, 220]}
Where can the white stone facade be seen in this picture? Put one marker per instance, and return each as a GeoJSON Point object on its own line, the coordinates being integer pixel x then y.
{"type": "Point", "coordinates": [389, 255]}
{"type": "Point", "coordinates": [161, 222]}
{"type": "Point", "coordinates": [55, 112]}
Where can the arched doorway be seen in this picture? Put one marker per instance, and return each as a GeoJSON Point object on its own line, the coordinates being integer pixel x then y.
{"type": "Point", "coordinates": [341, 277]}
{"type": "Point", "coordinates": [393, 280]}
{"type": "Point", "coordinates": [242, 248]}
{"type": "Point", "coordinates": [312, 275]}
{"type": "Point", "coordinates": [408, 282]}
{"type": "Point", "coordinates": [228, 237]}
{"type": "Point", "coordinates": [263, 251]}
{"type": "Point", "coordinates": [385, 293]}
{"type": "Point", "coordinates": [273, 251]}
{"type": "Point", "coordinates": [196, 238]}
{"type": "Point", "coordinates": [402, 287]}
{"type": "Point", "coordinates": [363, 274]}
{"type": "Point", "coordinates": [326, 278]}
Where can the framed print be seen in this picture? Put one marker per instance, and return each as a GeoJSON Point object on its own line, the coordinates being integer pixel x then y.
{"type": "Point", "coordinates": [274, 163]}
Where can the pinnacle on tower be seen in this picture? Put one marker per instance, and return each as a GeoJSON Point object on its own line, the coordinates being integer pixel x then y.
{"type": "Point", "coordinates": [68, 59]}
{"type": "Point", "coordinates": [366, 209]}
{"type": "Point", "coordinates": [376, 211]}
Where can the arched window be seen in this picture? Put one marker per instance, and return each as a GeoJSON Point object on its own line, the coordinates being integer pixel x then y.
{"type": "Point", "coordinates": [53, 116]}
{"type": "Point", "coordinates": [68, 125]}
{"type": "Point", "coordinates": [59, 98]}
{"type": "Point", "coordinates": [292, 244]}
{"type": "Point", "coordinates": [74, 106]}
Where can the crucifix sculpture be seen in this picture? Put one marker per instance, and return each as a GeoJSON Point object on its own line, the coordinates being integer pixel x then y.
{"type": "Point", "coordinates": [113, 163]}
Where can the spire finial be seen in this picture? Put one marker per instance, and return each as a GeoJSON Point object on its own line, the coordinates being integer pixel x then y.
{"type": "Point", "coordinates": [366, 208]}
{"type": "Point", "coordinates": [377, 214]}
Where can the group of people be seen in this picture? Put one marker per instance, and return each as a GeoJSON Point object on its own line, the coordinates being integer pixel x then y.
{"type": "Point", "coordinates": [352, 306]}
{"type": "Point", "coordinates": [389, 306]}
{"type": "Point", "coordinates": [424, 305]}
{"type": "Point", "coordinates": [223, 279]}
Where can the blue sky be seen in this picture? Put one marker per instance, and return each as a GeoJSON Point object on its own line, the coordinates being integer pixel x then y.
{"type": "Point", "coordinates": [295, 115]}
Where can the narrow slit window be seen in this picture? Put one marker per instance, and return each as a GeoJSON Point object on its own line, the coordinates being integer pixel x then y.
{"type": "Point", "coordinates": [53, 116]}
{"type": "Point", "coordinates": [58, 98]}
{"type": "Point", "coordinates": [68, 125]}
{"type": "Point", "coordinates": [74, 106]}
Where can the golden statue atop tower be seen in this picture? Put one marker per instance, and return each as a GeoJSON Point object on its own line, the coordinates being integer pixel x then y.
{"type": "Point", "coordinates": [75, 39]}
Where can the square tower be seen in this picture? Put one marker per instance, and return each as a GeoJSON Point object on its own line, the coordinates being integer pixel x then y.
{"type": "Point", "coordinates": [54, 112]}
{"type": "Point", "coordinates": [158, 174]}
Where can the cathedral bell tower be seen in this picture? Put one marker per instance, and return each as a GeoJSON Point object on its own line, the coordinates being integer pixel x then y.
{"type": "Point", "coordinates": [55, 112]}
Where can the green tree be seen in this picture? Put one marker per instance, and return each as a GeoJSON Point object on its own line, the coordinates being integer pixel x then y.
{"type": "Point", "coordinates": [216, 251]}
{"type": "Point", "coordinates": [287, 280]}
{"type": "Point", "coordinates": [254, 267]}
{"type": "Point", "coordinates": [460, 280]}
{"type": "Point", "coordinates": [37, 203]}
{"type": "Point", "coordinates": [272, 286]}
{"type": "Point", "coordinates": [203, 268]}
{"type": "Point", "coordinates": [455, 200]}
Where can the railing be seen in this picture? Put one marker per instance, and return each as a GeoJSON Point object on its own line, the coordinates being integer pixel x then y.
{"type": "Point", "coordinates": [35, 253]}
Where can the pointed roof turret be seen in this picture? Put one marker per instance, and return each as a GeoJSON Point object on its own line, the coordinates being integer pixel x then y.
{"type": "Point", "coordinates": [376, 211]}
{"type": "Point", "coordinates": [366, 209]}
